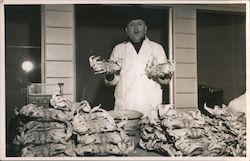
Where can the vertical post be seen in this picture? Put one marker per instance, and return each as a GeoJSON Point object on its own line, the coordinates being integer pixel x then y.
{"type": "Point", "coordinates": [43, 45]}
{"type": "Point", "coordinates": [2, 73]}
{"type": "Point", "coordinates": [27, 92]}
{"type": "Point", "coordinates": [170, 51]}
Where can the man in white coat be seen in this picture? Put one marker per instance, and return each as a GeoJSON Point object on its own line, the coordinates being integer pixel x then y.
{"type": "Point", "coordinates": [139, 68]}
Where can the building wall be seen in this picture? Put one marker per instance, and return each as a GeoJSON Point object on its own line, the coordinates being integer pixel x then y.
{"type": "Point", "coordinates": [185, 55]}
{"type": "Point", "coordinates": [59, 47]}
{"type": "Point", "coordinates": [59, 52]}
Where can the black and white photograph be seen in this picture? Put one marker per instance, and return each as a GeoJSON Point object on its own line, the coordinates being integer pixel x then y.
{"type": "Point", "coordinates": [124, 80]}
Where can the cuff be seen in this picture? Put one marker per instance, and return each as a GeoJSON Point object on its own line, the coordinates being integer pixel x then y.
{"type": "Point", "coordinates": [110, 77]}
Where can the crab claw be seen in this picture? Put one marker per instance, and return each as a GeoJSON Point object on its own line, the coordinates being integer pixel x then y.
{"type": "Point", "coordinates": [100, 72]}
{"type": "Point", "coordinates": [93, 59]}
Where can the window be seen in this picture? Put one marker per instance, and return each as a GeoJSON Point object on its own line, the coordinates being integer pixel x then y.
{"type": "Point", "coordinates": [22, 57]}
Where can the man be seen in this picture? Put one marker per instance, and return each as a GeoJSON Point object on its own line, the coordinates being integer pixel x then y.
{"type": "Point", "coordinates": [137, 67]}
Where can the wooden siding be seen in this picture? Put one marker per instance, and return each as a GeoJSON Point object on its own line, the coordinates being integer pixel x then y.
{"type": "Point", "coordinates": [185, 55]}
{"type": "Point", "coordinates": [59, 47]}
{"type": "Point", "coordinates": [59, 52]}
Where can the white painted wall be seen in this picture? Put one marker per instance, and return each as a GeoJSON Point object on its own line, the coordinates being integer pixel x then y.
{"type": "Point", "coordinates": [185, 55]}
{"type": "Point", "coordinates": [59, 47]}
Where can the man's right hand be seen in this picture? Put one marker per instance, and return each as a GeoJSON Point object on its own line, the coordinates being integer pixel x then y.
{"type": "Point", "coordinates": [112, 67]}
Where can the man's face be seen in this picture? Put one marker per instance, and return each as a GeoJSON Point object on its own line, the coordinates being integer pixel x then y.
{"type": "Point", "coordinates": [136, 30]}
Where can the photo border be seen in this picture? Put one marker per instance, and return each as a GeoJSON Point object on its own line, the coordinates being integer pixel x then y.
{"type": "Point", "coordinates": [168, 2]}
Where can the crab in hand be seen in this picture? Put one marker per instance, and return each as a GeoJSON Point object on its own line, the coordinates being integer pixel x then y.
{"type": "Point", "coordinates": [104, 66]}
{"type": "Point", "coordinates": [160, 70]}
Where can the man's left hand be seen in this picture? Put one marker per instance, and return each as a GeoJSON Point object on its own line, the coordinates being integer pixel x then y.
{"type": "Point", "coordinates": [152, 71]}
{"type": "Point", "coordinates": [161, 71]}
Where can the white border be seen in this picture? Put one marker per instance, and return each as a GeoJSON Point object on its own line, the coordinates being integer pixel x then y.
{"type": "Point", "coordinates": [2, 80]}
{"type": "Point", "coordinates": [169, 2]}
{"type": "Point", "coordinates": [124, 1]}
{"type": "Point", "coordinates": [248, 73]}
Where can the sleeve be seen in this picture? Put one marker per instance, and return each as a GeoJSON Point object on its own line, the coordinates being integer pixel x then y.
{"type": "Point", "coordinates": [159, 54]}
{"type": "Point", "coordinates": [116, 56]}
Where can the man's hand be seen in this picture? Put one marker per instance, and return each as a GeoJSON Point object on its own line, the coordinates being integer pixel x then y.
{"type": "Point", "coordinates": [166, 68]}
{"type": "Point", "coordinates": [152, 71]}
{"type": "Point", "coordinates": [161, 72]}
{"type": "Point", "coordinates": [112, 67]}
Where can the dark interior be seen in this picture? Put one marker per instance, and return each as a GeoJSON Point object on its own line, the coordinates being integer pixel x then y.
{"type": "Point", "coordinates": [23, 42]}
{"type": "Point", "coordinates": [221, 51]}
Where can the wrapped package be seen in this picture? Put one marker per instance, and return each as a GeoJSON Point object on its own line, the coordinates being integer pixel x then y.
{"type": "Point", "coordinates": [35, 132]}
{"type": "Point", "coordinates": [35, 111]}
{"type": "Point", "coordinates": [98, 133]}
{"type": "Point", "coordinates": [49, 150]}
{"type": "Point", "coordinates": [176, 133]}
{"type": "Point", "coordinates": [91, 121]}
{"type": "Point", "coordinates": [46, 131]}
{"type": "Point", "coordinates": [113, 137]}
{"type": "Point", "coordinates": [122, 148]}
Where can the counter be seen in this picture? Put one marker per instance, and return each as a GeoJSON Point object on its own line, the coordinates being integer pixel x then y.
{"type": "Point", "coordinates": [139, 152]}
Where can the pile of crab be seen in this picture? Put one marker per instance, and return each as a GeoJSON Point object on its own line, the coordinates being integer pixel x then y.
{"type": "Point", "coordinates": [175, 133]}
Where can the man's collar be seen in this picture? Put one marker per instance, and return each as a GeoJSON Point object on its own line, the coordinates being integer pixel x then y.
{"type": "Point", "coordinates": [129, 40]}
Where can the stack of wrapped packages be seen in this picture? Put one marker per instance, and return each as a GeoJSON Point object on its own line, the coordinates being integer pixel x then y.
{"type": "Point", "coordinates": [98, 134]}
{"type": "Point", "coordinates": [69, 129]}
{"type": "Point", "coordinates": [175, 133]}
{"type": "Point", "coordinates": [46, 132]}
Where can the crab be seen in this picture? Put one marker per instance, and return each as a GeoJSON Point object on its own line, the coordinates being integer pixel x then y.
{"type": "Point", "coordinates": [104, 66]}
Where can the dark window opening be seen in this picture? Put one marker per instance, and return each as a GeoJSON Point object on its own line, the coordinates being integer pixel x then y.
{"type": "Point", "coordinates": [221, 56]}
{"type": "Point", "coordinates": [22, 60]}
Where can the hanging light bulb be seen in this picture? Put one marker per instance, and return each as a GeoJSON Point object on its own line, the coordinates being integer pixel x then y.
{"type": "Point", "coordinates": [27, 66]}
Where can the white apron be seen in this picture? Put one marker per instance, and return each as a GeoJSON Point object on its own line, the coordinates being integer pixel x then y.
{"type": "Point", "coordinates": [134, 90]}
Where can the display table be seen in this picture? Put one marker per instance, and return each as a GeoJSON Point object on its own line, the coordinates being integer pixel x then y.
{"type": "Point", "coordinates": [139, 152]}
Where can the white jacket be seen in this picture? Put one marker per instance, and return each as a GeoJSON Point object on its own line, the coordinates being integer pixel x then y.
{"type": "Point", "coordinates": [134, 90]}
